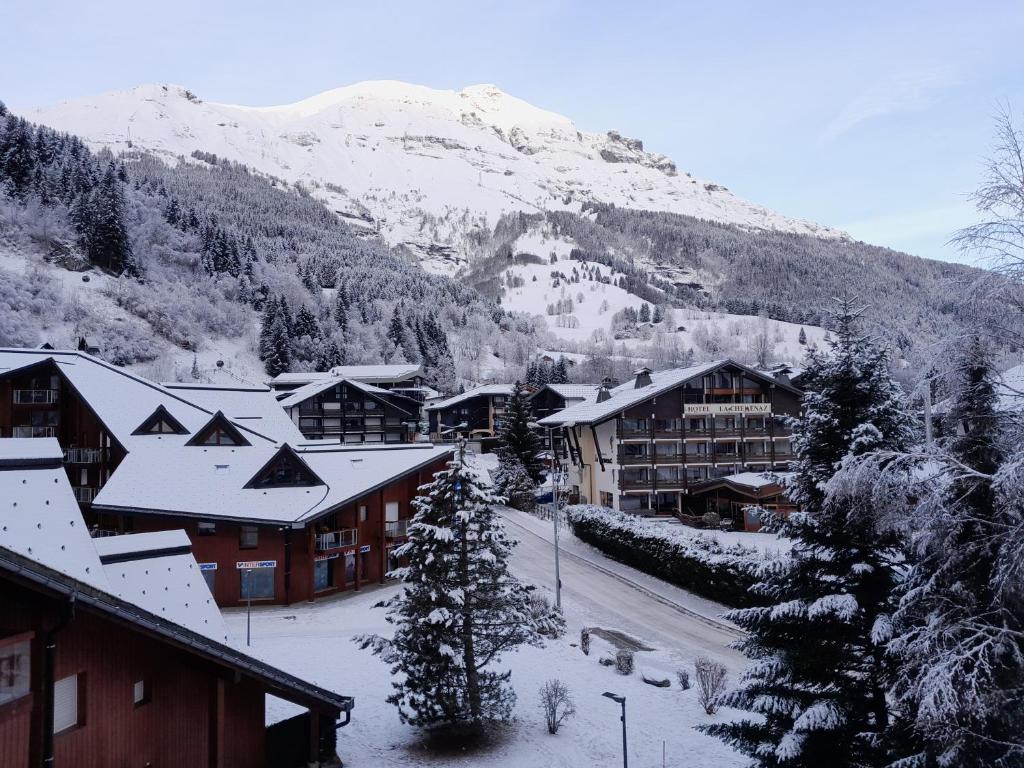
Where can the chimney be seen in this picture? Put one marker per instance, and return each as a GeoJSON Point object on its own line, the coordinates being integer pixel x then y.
{"type": "Point", "coordinates": [643, 377]}
{"type": "Point", "coordinates": [604, 391]}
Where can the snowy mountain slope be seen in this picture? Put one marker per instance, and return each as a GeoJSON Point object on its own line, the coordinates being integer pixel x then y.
{"type": "Point", "coordinates": [423, 168]}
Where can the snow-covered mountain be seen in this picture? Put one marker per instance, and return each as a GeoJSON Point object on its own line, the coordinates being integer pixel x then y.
{"type": "Point", "coordinates": [426, 169]}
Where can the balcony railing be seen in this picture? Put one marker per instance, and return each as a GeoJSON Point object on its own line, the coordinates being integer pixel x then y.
{"type": "Point", "coordinates": [30, 431]}
{"type": "Point", "coordinates": [102, 533]}
{"type": "Point", "coordinates": [347, 537]}
{"type": "Point", "coordinates": [36, 396]}
{"type": "Point", "coordinates": [628, 434]}
{"type": "Point", "coordinates": [84, 494]}
{"type": "Point", "coordinates": [631, 482]}
{"type": "Point", "coordinates": [627, 459]}
{"type": "Point", "coordinates": [83, 456]}
{"type": "Point", "coordinates": [396, 529]}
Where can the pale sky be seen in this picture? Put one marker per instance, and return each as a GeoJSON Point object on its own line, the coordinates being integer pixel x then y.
{"type": "Point", "coordinates": [873, 117]}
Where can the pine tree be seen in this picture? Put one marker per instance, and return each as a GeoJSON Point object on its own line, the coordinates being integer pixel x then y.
{"type": "Point", "coordinates": [645, 313]}
{"type": "Point", "coordinates": [802, 338]}
{"type": "Point", "coordinates": [560, 374]}
{"type": "Point", "coordinates": [959, 629]}
{"type": "Point", "coordinates": [818, 644]}
{"type": "Point", "coordinates": [518, 443]}
{"type": "Point", "coordinates": [265, 348]}
{"type": "Point", "coordinates": [328, 356]}
{"type": "Point", "coordinates": [459, 610]}
{"type": "Point", "coordinates": [306, 324]}
{"type": "Point", "coordinates": [396, 330]}
{"type": "Point", "coordinates": [279, 356]}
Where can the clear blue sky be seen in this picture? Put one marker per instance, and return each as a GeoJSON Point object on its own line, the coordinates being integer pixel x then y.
{"type": "Point", "coordinates": [869, 116]}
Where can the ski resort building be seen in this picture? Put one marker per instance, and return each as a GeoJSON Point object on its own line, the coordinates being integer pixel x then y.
{"type": "Point", "coordinates": [552, 398]}
{"type": "Point", "coordinates": [401, 378]}
{"type": "Point", "coordinates": [648, 445]}
{"type": "Point", "coordinates": [113, 652]}
{"type": "Point", "coordinates": [352, 412]}
{"type": "Point", "coordinates": [479, 409]}
{"type": "Point", "coordinates": [271, 515]}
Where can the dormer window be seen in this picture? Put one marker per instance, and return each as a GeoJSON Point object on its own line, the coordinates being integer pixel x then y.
{"type": "Point", "coordinates": [219, 431]}
{"type": "Point", "coordinates": [160, 422]}
{"type": "Point", "coordinates": [285, 470]}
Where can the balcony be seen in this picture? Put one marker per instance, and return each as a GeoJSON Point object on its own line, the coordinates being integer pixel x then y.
{"type": "Point", "coordinates": [36, 396]}
{"type": "Point", "coordinates": [347, 537]}
{"type": "Point", "coordinates": [634, 434]}
{"type": "Point", "coordinates": [396, 529]}
{"type": "Point", "coordinates": [84, 455]}
{"type": "Point", "coordinates": [84, 494]}
{"type": "Point", "coordinates": [631, 483]}
{"type": "Point", "coordinates": [628, 459]}
{"type": "Point", "coordinates": [30, 431]}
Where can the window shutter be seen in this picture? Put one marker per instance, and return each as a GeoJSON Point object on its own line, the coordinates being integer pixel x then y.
{"type": "Point", "coordinates": [65, 704]}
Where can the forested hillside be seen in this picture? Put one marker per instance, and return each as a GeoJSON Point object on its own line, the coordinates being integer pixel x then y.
{"type": "Point", "coordinates": [206, 249]}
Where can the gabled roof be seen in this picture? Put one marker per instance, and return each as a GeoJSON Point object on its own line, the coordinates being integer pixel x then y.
{"type": "Point", "coordinates": [253, 407]}
{"type": "Point", "coordinates": [285, 453]}
{"type": "Point", "coordinates": [302, 394]}
{"type": "Point", "coordinates": [570, 391]}
{"type": "Point", "coordinates": [210, 482]}
{"type": "Point", "coordinates": [159, 591]}
{"type": "Point", "coordinates": [218, 422]}
{"type": "Point", "coordinates": [486, 389]}
{"type": "Point", "coordinates": [161, 414]}
{"type": "Point", "coordinates": [754, 484]}
{"type": "Point", "coordinates": [384, 374]}
{"type": "Point", "coordinates": [627, 395]}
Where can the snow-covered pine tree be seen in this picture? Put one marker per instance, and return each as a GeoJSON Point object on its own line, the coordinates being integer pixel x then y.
{"type": "Point", "coordinates": [328, 355]}
{"type": "Point", "coordinates": [818, 678]}
{"type": "Point", "coordinates": [802, 337]}
{"type": "Point", "coordinates": [279, 355]}
{"type": "Point", "coordinates": [959, 628]}
{"type": "Point", "coordinates": [459, 611]}
{"type": "Point", "coordinates": [560, 372]}
{"type": "Point", "coordinates": [518, 443]}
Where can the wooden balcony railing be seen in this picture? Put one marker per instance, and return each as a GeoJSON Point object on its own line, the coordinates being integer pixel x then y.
{"type": "Point", "coordinates": [84, 455]}
{"type": "Point", "coordinates": [396, 529]}
{"type": "Point", "coordinates": [84, 494]}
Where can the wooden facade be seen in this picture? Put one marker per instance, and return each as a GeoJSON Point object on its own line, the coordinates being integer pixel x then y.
{"type": "Point", "coordinates": [39, 401]}
{"type": "Point", "coordinates": [481, 413]}
{"type": "Point", "coordinates": [139, 699]}
{"type": "Point", "coordinates": [343, 550]}
{"type": "Point", "coordinates": [350, 414]}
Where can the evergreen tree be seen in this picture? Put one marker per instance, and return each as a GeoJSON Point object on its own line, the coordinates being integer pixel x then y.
{"type": "Point", "coordinates": [306, 324]}
{"type": "Point", "coordinates": [279, 356]}
{"type": "Point", "coordinates": [818, 644]}
{"type": "Point", "coordinates": [645, 313]}
{"type": "Point", "coordinates": [518, 443]}
{"type": "Point", "coordinates": [341, 309]}
{"type": "Point", "coordinates": [328, 356]}
{"type": "Point", "coordinates": [560, 374]}
{"type": "Point", "coordinates": [959, 629]}
{"type": "Point", "coordinates": [459, 610]}
{"type": "Point", "coordinates": [802, 338]}
{"type": "Point", "coordinates": [396, 330]}
{"type": "Point", "coordinates": [106, 240]}
{"type": "Point", "coordinates": [265, 348]}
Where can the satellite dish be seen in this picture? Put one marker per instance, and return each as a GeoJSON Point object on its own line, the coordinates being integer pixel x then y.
{"type": "Point", "coordinates": [220, 363]}
{"type": "Point", "coordinates": [85, 278]}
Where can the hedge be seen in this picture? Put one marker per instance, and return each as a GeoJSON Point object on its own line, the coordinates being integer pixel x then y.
{"type": "Point", "coordinates": [698, 564]}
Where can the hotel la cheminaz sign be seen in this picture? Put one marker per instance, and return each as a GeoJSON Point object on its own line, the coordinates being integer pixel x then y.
{"type": "Point", "coordinates": [727, 409]}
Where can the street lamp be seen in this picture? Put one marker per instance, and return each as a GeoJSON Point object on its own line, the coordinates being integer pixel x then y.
{"type": "Point", "coordinates": [620, 700]}
{"type": "Point", "coordinates": [554, 508]}
{"type": "Point", "coordinates": [248, 605]}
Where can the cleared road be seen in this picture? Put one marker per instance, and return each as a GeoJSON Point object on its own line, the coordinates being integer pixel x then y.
{"type": "Point", "coordinates": [597, 598]}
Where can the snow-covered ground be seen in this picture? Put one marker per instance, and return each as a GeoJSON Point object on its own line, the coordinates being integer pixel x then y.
{"type": "Point", "coordinates": [419, 166]}
{"type": "Point", "coordinates": [315, 641]}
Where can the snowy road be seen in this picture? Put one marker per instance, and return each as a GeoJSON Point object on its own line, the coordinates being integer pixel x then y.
{"type": "Point", "coordinates": [604, 600]}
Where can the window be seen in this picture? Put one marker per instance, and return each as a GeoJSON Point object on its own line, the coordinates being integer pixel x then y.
{"type": "Point", "coordinates": [607, 500]}
{"type": "Point", "coordinates": [350, 568]}
{"type": "Point", "coordinates": [248, 537]}
{"type": "Point", "coordinates": [391, 511]}
{"type": "Point", "coordinates": [141, 692]}
{"type": "Point", "coordinates": [323, 575]}
{"type": "Point", "coordinates": [363, 513]}
{"type": "Point", "coordinates": [285, 469]}
{"type": "Point", "coordinates": [15, 668]}
{"type": "Point", "coordinates": [218, 431]}
{"type": "Point", "coordinates": [66, 707]}
{"type": "Point", "coordinates": [258, 583]}
{"type": "Point", "coordinates": [160, 422]}
{"type": "Point", "coordinates": [370, 405]}
{"type": "Point", "coordinates": [205, 528]}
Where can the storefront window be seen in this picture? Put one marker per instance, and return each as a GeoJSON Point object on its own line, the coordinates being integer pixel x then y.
{"type": "Point", "coordinates": [258, 583]}
{"type": "Point", "coordinates": [323, 575]}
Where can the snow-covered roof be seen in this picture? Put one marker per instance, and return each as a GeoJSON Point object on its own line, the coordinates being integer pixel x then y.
{"type": "Point", "coordinates": [209, 482]}
{"type": "Point", "coordinates": [256, 408]}
{"type": "Point", "coordinates": [303, 393]}
{"type": "Point", "coordinates": [121, 400]}
{"type": "Point", "coordinates": [628, 394]}
{"type": "Point", "coordinates": [755, 480]}
{"type": "Point", "coordinates": [383, 374]}
{"type": "Point", "coordinates": [151, 579]}
{"type": "Point", "coordinates": [39, 516]}
{"type": "Point", "coordinates": [485, 389]}
{"type": "Point", "coordinates": [570, 391]}
{"type": "Point", "coordinates": [158, 572]}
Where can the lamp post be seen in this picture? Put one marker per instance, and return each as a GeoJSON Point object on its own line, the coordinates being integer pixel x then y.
{"type": "Point", "coordinates": [554, 508]}
{"type": "Point", "coordinates": [620, 700]}
{"type": "Point", "coordinates": [248, 606]}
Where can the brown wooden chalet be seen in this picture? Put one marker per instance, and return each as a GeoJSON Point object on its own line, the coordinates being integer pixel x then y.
{"type": "Point", "coordinates": [112, 651]}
